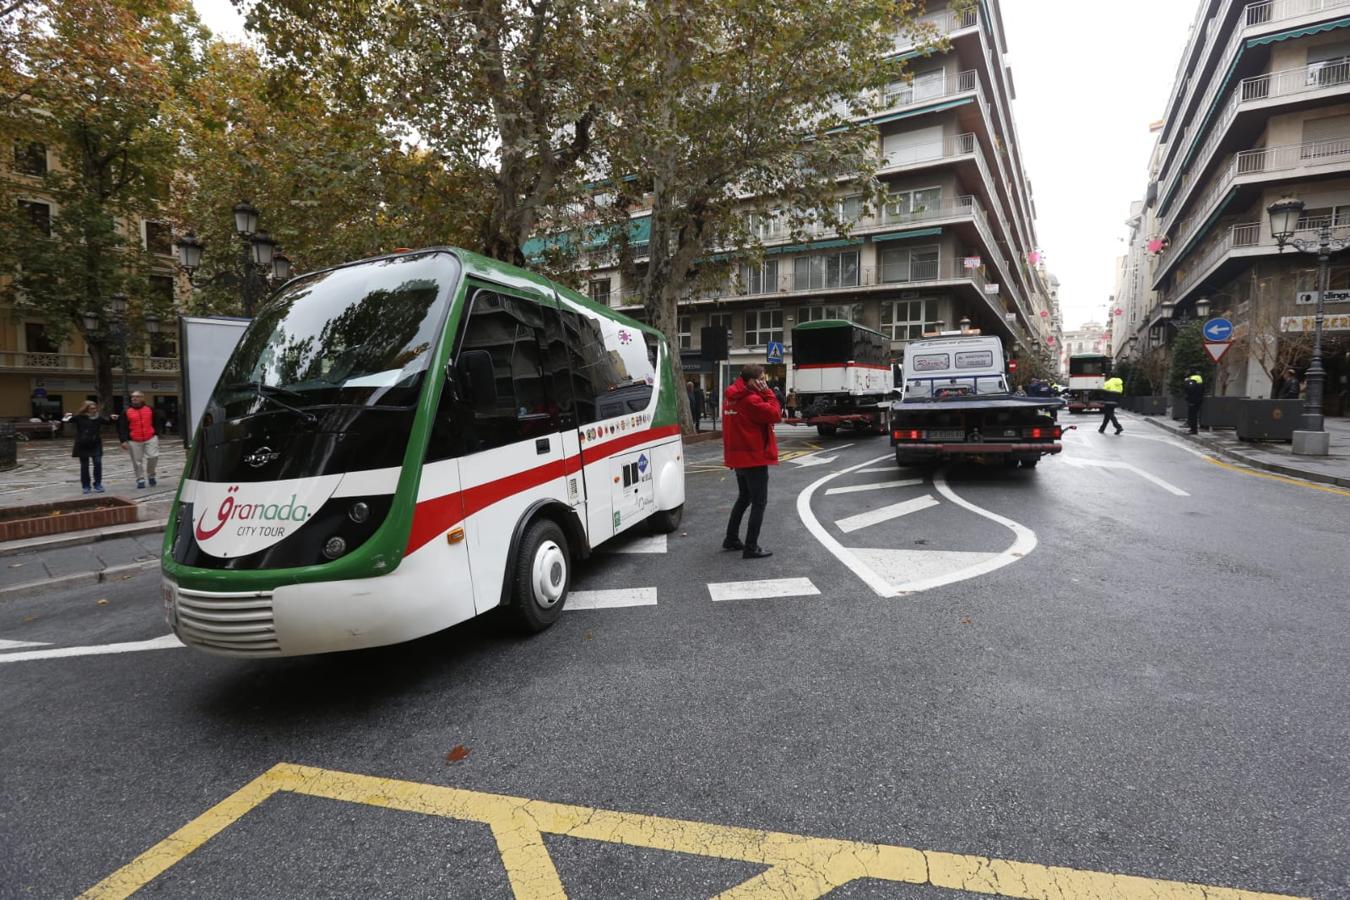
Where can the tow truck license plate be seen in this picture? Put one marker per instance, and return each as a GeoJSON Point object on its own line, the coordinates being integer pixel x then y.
{"type": "Point", "coordinates": [946, 434]}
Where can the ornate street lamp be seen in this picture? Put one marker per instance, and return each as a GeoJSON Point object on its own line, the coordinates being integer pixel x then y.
{"type": "Point", "coordinates": [281, 267]}
{"type": "Point", "coordinates": [263, 249]}
{"type": "Point", "coordinates": [1312, 439]}
{"type": "Point", "coordinates": [1202, 307]}
{"type": "Point", "coordinates": [1166, 309]}
{"type": "Point", "coordinates": [190, 249]}
{"type": "Point", "coordinates": [245, 218]}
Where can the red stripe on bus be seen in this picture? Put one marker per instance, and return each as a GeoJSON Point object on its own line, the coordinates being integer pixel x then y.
{"type": "Point", "coordinates": [431, 517]}
{"type": "Point", "coordinates": [842, 366]}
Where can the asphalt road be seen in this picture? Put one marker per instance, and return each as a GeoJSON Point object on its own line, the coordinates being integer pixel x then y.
{"type": "Point", "coordinates": [1130, 660]}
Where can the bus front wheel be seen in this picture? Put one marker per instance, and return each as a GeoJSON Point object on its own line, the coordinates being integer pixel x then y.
{"type": "Point", "coordinates": [664, 521]}
{"type": "Point", "coordinates": [542, 577]}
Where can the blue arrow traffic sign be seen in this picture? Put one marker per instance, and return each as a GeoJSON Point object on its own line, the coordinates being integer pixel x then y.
{"type": "Point", "coordinates": [775, 354]}
{"type": "Point", "coordinates": [1218, 330]}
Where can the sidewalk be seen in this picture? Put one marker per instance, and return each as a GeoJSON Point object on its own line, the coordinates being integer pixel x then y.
{"type": "Point", "coordinates": [1270, 456]}
{"type": "Point", "coordinates": [47, 472]}
{"type": "Point", "coordinates": [34, 570]}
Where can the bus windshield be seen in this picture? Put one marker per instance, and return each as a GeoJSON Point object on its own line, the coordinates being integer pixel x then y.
{"type": "Point", "coordinates": [1087, 365]}
{"type": "Point", "coordinates": [357, 335]}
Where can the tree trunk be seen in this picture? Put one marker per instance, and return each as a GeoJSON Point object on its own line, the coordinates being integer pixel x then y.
{"type": "Point", "coordinates": [104, 387]}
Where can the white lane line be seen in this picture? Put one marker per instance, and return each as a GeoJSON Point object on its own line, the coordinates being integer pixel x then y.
{"type": "Point", "coordinates": [886, 469]}
{"type": "Point", "coordinates": [15, 645]}
{"type": "Point", "coordinates": [827, 540]}
{"type": "Point", "coordinates": [655, 543]}
{"type": "Point", "coordinates": [885, 514]}
{"type": "Point", "coordinates": [815, 459]}
{"type": "Point", "coordinates": [1171, 443]}
{"type": "Point", "coordinates": [1128, 467]}
{"type": "Point", "coordinates": [758, 590]}
{"type": "Point", "coordinates": [874, 486]}
{"type": "Point", "coordinates": [160, 643]}
{"type": "Point", "coordinates": [611, 599]}
{"type": "Point", "coordinates": [902, 568]}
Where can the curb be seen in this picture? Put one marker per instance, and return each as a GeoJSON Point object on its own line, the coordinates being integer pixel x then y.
{"type": "Point", "coordinates": [79, 578]}
{"type": "Point", "coordinates": [76, 538]}
{"type": "Point", "coordinates": [1216, 447]}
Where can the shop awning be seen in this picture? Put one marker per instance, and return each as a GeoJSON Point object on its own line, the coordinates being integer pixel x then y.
{"type": "Point", "coordinates": [901, 235]}
{"type": "Point", "coordinates": [815, 245]}
{"type": "Point", "coordinates": [1298, 33]}
{"type": "Point", "coordinates": [639, 232]}
{"type": "Point", "coordinates": [923, 110]}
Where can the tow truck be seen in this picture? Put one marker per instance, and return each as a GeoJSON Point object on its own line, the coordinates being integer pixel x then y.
{"type": "Point", "coordinates": [843, 375]}
{"type": "Point", "coordinates": [955, 403]}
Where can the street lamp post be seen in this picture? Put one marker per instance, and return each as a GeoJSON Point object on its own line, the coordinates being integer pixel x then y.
{"type": "Point", "coordinates": [260, 260]}
{"type": "Point", "coordinates": [1312, 439]}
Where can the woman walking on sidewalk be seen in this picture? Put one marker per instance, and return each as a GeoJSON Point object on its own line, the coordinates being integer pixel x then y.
{"type": "Point", "coordinates": [89, 444]}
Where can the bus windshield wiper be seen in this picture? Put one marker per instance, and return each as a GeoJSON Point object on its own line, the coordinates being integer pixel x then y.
{"type": "Point", "coordinates": [268, 392]}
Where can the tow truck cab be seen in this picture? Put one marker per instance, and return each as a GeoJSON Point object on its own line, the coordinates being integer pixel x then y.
{"type": "Point", "coordinates": [956, 403]}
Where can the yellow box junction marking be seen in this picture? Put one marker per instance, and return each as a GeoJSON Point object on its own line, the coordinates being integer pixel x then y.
{"type": "Point", "coordinates": [799, 867]}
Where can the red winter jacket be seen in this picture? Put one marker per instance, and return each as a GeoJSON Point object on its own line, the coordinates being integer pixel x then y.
{"type": "Point", "coordinates": [748, 418]}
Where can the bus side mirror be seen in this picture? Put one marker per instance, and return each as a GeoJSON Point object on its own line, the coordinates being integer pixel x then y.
{"type": "Point", "coordinates": [476, 381]}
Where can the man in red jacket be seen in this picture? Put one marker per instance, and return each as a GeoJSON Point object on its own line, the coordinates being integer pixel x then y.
{"type": "Point", "coordinates": [748, 446]}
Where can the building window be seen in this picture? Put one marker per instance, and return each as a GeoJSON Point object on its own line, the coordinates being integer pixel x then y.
{"type": "Point", "coordinates": [599, 290]}
{"type": "Point", "coordinates": [762, 326]}
{"type": "Point", "coordinates": [723, 320]}
{"type": "Point", "coordinates": [825, 270]}
{"type": "Point", "coordinates": [685, 324]}
{"type": "Point", "coordinates": [159, 238]}
{"type": "Point", "coordinates": [37, 339]}
{"type": "Point", "coordinates": [851, 312]}
{"type": "Point", "coordinates": [1335, 216]}
{"type": "Point", "coordinates": [39, 213]}
{"type": "Point", "coordinates": [30, 158]}
{"type": "Point", "coordinates": [907, 320]}
{"type": "Point", "coordinates": [900, 264]}
{"type": "Point", "coordinates": [765, 225]}
{"type": "Point", "coordinates": [902, 206]}
{"type": "Point", "coordinates": [760, 279]}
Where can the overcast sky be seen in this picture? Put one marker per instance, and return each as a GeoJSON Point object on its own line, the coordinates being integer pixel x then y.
{"type": "Point", "coordinates": [1090, 78]}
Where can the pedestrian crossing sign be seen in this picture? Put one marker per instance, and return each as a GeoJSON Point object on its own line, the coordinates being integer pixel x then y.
{"type": "Point", "coordinates": [775, 354]}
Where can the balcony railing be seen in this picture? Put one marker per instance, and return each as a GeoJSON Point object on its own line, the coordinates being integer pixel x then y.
{"type": "Point", "coordinates": [914, 93]}
{"type": "Point", "coordinates": [950, 148]}
{"type": "Point", "coordinates": [1262, 161]}
{"type": "Point", "coordinates": [1261, 14]}
{"type": "Point", "coordinates": [941, 24]}
{"type": "Point", "coordinates": [1285, 83]}
{"type": "Point", "coordinates": [850, 279]}
{"type": "Point", "coordinates": [80, 362]}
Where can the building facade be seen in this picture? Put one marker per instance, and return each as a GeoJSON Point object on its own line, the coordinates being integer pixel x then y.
{"type": "Point", "coordinates": [1260, 110]}
{"type": "Point", "coordinates": [955, 241]}
{"type": "Point", "coordinates": [45, 367]}
{"type": "Point", "coordinates": [1091, 337]}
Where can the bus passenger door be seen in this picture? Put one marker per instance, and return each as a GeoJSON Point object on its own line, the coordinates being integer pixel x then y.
{"type": "Point", "coordinates": [560, 383]}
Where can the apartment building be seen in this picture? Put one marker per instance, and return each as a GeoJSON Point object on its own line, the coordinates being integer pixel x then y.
{"type": "Point", "coordinates": [955, 241]}
{"type": "Point", "coordinates": [1090, 337]}
{"type": "Point", "coordinates": [45, 368]}
{"type": "Point", "coordinates": [1260, 110]}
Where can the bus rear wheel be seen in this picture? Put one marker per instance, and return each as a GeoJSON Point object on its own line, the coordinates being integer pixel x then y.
{"type": "Point", "coordinates": [542, 577]}
{"type": "Point", "coordinates": [664, 521]}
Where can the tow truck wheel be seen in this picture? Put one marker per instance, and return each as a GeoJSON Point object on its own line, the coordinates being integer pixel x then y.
{"type": "Point", "coordinates": [826, 430]}
{"type": "Point", "coordinates": [542, 577]}
{"type": "Point", "coordinates": [1030, 463]}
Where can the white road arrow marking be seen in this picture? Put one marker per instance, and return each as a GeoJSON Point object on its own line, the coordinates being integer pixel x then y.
{"type": "Point", "coordinates": [885, 514]}
{"type": "Point", "coordinates": [160, 643]}
{"type": "Point", "coordinates": [815, 459]}
{"type": "Point", "coordinates": [15, 645]}
{"type": "Point", "coordinates": [655, 543]}
{"type": "Point", "coordinates": [875, 486]}
{"type": "Point", "coordinates": [1112, 464]}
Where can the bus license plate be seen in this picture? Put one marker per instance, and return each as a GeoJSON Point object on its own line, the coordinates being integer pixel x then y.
{"type": "Point", "coordinates": [946, 434]}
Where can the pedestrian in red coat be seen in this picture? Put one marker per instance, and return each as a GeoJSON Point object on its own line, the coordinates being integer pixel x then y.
{"type": "Point", "coordinates": [749, 413]}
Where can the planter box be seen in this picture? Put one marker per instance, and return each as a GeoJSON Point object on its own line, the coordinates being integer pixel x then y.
{"type": "Point", "coordinates": [1151, 406]}
{"type": "Point", "coordinates": [1269, 420]}
{"type": "Point", "coordinates": [1127, 403]}
{"type": "Point", "coordinates": [42, 519]}
{"type": "Point", "coordinates": [9, 448]}
{"type": "Point", "coordinates": [1179, 408]}
{"type": "Point", "coordinates": [1219, 412]}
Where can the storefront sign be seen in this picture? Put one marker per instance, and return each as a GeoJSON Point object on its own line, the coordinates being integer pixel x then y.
{"type": "Point", "coordinates": [1308, 323]}
{"type": "Point", "coordinates": [1308, 298]}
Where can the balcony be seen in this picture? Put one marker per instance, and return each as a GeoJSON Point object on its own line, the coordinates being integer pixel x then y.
{"type": "Point", "coordinates": [1254, 166]}
{"type": "Point", "coordinates": [942, 24]}
{"type": "Point", "coordinates": [1237, 240]}
{"type": "Point", "coordinates": [1332, 77]}
{"type": "Point", "coordinates": [81, 363]}
{"type": "Point", "coordinates": [1259, 17]}
{"type": "Point", "coordinates": [927, 90]}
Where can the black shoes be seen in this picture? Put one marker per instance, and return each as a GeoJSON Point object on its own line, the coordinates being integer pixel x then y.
{"type": "Point", "coordinates": [732, 543]}
{"type": "Point", "coordinates": [1119, 430]}
{"type": "Point", "coordinates": [756, 553]}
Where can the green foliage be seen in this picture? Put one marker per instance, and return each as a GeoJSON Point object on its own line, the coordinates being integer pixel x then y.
{"type": "Point", "coordinates": [1188, 356]}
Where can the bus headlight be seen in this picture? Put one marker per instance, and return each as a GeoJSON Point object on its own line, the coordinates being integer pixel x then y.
{"type": "Point", "coordinates": [334, 547]}
{"type": "Point", "coordinates": [359, 512]}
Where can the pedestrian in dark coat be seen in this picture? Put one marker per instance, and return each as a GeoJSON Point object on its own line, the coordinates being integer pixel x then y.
{"type": "Point", "coordinates": [88, 445]}
{"type": "Point", "coordinates": [749, 448]}
{"type": "Point", "coordinates": [695, 404]}
{"type": "Point", "coordinates": [1194, 390]}
{"type": "Point", "coordinates": [1289, 386]}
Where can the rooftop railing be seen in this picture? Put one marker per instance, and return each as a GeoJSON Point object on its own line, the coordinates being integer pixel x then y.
{"type": "Point", "coordinates": [80, 362]}
{"type": "Point", "coordinates": [937, 25]}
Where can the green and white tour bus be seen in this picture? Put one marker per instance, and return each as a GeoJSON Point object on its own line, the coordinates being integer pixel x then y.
{"type": "Point", "coordinates": [399, 444]}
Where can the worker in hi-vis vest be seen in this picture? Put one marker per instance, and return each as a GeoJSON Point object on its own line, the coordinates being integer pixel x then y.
{"type": "Point", "coordinates": [1113, 387]}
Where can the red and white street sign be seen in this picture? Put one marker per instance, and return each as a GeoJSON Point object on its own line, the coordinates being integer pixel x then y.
{"type": "Point", "coordinates": [1217, 349]}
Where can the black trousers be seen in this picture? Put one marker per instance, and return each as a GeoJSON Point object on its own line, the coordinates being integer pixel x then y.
{"type": "Point", "coordinates": [752, 492]}
{"type": "Point", "coordinates": [94, 457]}
{"type": "Point", "coordinates": [1193, 417]}
{"type": "Point", "coordinates": [1109, 415]}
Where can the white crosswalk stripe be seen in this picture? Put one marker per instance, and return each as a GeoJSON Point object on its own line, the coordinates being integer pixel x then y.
{"type": "Point", "coordinates": [885, 514]}
{"type": "Point", "coordinates": [759, 590]}
{"type": "Point", "coordinates": [655, 543]}
{"type": "Point", "coordinates": [15, 645]}
{"type": "Point", "coordinates": [874, 486]}
{"type": "Point", "coordinates": [611, 599]}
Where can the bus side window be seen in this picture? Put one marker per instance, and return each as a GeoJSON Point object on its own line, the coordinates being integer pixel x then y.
{"type": "Point", "coordinates": [593, 371]}
{"type": "Point", "coordinates": [558, 365]}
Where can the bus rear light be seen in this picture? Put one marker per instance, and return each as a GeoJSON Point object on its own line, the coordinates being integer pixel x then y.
{"type": "Point", "coordinates": [909, 434]}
